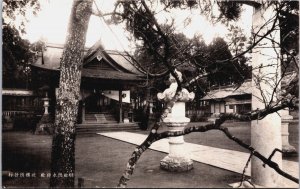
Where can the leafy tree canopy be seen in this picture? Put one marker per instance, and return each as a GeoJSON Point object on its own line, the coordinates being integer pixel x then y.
{"type": "Point", "coordinates": [162, 45]}
{"type": "Point", "coordinates": [164, 49]}
{"type": "Point", "coordinates": [17, 52]}
{"type": "Point", "coordinates": [18, 11]}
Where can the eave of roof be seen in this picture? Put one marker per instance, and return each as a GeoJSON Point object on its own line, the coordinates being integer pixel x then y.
{"type": "Point", "coordinates": [17, 92]}
{"type": "Point", "coordinates": [245, 88]}
{"type": "Point", "coordinates": [113, 75]}
{"type": "Point", "coordinates": [50, 58]}
{"type": "Point", "coordinates": [50, 67]}
{"type": "Point", "coordinates": [101, 74]}
{"type": "Point", "coordinates": [216, 95]}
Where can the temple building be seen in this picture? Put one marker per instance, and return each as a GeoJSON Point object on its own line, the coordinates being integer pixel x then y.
{"type": "Point", "coordinates": [109, 80]}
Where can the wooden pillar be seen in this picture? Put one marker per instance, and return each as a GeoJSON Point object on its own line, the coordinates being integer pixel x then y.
{"type": "Point", "coordinates": [214, 107]}
{"type": "Point", "coordinates": [120, 106]}
{"type": "Point", "coordinates": [83, 111]}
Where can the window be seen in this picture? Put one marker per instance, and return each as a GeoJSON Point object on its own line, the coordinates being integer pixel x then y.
{"type": "Point", "coordinates": [231, 106]}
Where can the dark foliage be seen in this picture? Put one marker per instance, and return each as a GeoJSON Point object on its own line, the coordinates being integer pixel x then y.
{"type": "Point", "coordinates": [16, 56]}
{"type": "Point", "coordinates": [17, 52]}
{"type": "Point", "coordinates": [230, 10]}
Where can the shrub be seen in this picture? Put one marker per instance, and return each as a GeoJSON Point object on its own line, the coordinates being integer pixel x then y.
{"type": "Point", "coordinates": [25, 122]}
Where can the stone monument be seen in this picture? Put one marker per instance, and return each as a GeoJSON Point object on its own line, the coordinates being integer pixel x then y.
{"type": "Point", "coordinates": [178, 159]}
{"type": "Point", "coordinates": [45, 125]}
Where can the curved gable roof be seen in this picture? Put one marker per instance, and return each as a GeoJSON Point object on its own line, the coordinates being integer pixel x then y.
{"type": "Point", "coordinates": [119, 60]}
{"type": "Point", "coordinates": [122, 67]}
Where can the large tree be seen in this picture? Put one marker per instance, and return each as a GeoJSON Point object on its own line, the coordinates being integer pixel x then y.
{"type": "Point", "coordinates": [67, 97]}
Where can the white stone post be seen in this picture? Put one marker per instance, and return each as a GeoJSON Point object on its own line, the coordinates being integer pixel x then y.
{"type": "Point", "coordinates": [46, 103]}
{"type": "Point", "coordinates": [151, 107]}
{"type": "Point", "coordinates": [265, 133]}
{"type": "Point", "coordinates": [285, 119]}
{"type": "Point", "coordinates": [178, 159]}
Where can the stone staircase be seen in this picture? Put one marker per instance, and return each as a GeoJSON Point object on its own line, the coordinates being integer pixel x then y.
{"type": "Point", "coordinates": [100, 122]}
{"type": "Point", "coordinates": [100, 118]}
{"type": "Point", "coordinates": [95, 128]}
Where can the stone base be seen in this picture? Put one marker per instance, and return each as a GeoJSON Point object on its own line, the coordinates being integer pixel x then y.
{"type": "Point", "coordinates": [244, 184]}
{"type": "Point", "coordinates": [7, 126]}
{"type": "Point", "coordinates": [45, 126]}
{"type": "Point", "coordinates": [289, 150]}
{"type": "Point", "coordinates": [126, 120]}
{"type": "Point", "coordinates": [176, 164]}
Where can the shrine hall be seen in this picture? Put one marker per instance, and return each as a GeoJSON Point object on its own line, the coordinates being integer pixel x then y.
{"type": "Point", "coordinates": [108, 84]}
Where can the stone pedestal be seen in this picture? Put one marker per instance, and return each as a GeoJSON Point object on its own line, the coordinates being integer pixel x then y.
{"type": "Point", "coordinates": [286, 147]}
{"type": "Point", "coordinates": [178, 159]}
{"type": "Point", "coordinates": [288, 150]}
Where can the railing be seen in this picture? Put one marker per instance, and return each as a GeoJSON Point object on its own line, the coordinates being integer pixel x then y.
{"type": "Point", "coordinates": [9, 115]}
{"type": "Point", "coordinates": [12, 113]}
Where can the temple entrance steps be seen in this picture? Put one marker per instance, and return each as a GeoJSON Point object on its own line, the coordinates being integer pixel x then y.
{"type": "Point", "coordinates": [100, 118]}
{"type": "Point", "coordinates": [93, 128]}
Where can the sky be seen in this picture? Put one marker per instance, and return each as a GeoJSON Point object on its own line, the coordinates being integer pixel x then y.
{"type": "Point", "coordinates": [52, 21]}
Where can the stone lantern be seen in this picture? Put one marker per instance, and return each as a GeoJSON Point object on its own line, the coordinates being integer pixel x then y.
{"type": "Point", "coordinates": [178, 159]}
{"type": "Point", "coordinates": [45, 125]}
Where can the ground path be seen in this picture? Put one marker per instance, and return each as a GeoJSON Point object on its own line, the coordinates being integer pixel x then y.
{"type": "Point", "coordinates": [222, 158]}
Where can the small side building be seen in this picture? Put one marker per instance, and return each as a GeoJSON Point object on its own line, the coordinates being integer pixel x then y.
{"type": "Point", "coordinates": [21, 108]}
{"type": "Point", "coordinates": [233, 98]}
{"type": "Point", "coordinates": [228, 99]}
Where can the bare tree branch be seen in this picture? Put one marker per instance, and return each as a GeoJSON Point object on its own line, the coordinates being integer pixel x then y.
{"type": "Point", "coordinates": [255, 42]}
{"type": "Point", "coordinates": [154, 136]}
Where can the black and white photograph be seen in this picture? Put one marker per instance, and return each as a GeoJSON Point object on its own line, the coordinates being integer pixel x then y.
{"type": "Point", "coordinates": [150, 94]}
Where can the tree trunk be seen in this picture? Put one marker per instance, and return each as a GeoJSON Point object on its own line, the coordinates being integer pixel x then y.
{"type": "Point", "coordinates": [63, 143]}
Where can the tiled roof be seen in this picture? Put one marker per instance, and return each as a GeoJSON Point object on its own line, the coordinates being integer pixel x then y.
{"type": "Point", "coordinates": [51, 57]}
{"type": "Point", "coordinates": [113, 75]}
{"type": "Point", "coordinates": [245, 88]}
{"type": "Point", "coordinates": [101, 74]}
{"type": "Point", "coordinates": [17, 92]}
{"type": "Point", "coordinates": [216, 94]}
{"type": "Point", "coordinates": [122, 59]}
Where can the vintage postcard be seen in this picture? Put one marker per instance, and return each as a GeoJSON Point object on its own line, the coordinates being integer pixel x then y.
{"type": "Point", "coordinates": [150, 94]}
